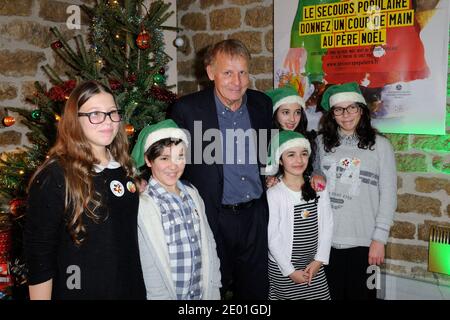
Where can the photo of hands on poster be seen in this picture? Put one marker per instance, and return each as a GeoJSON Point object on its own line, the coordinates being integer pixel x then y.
{"type": "Point", "coordinates": [396, 50]}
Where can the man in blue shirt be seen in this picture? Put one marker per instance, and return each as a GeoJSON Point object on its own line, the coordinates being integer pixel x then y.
{"type": "Point", "coordinates": [231, 186]}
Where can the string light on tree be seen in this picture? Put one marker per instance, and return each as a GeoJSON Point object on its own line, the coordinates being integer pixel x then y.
{"type": "Point", "coordinates": [129, 129]}
{"type": "Point", "coordinates": [100, 63]}
{"type": "Point", "coordinates": [159, 78]}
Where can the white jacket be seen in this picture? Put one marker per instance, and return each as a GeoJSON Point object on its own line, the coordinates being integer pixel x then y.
{"type": "Point", "coordinates": [155, 256]}
{"type": "Point", "coordinates": [281, 227]}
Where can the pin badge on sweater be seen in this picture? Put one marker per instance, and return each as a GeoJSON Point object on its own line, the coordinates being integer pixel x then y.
{"type": "Point", "coordinates": [131, 187]}
{"type": "Point", "coordinates": [305, 214]}
{"type": "Point", "coordinates": [117, 188]}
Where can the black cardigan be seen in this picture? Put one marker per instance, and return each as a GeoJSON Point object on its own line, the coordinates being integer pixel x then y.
{"type": "Point", "coordinates": [107, 261]}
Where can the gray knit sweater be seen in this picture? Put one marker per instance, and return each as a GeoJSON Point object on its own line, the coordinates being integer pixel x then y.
{"type": "Point", "coordinates": [362, 185]}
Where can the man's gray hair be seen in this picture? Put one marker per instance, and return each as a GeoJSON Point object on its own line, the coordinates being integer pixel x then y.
{"type": "Point", "coordinates": [231, 47]}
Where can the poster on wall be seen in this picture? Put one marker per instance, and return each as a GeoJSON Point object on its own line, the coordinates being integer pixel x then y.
{"type": "Point", "coordinates": [396, 50]}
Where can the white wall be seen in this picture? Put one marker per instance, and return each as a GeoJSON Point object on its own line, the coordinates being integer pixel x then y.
{"type": "Point", "coordinates": [397, 288]}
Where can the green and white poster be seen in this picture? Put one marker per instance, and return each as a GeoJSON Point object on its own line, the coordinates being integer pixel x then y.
{"type": "Point", "coordinates": [396, 50]}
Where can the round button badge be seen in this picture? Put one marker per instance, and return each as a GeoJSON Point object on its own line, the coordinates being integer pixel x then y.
{"type": "Point", "coordinates": [117, 188]}
{"type": "Point", "coordinates": [131, 187]}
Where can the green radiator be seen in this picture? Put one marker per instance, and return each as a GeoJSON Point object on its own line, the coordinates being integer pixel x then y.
{"type": "Point", "coordinates": [439, 250]}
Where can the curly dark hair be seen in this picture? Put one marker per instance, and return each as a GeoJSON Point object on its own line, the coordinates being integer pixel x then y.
{"type": "Point", "coordinates": [364, 131]}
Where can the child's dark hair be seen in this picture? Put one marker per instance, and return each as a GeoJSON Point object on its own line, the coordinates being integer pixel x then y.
{"type": "Point", "coordinates": [364, 130]}
{"type": "Point", "coordinates": [308, 192]}
{"type": "Point", "coordinates": [302, 129]}
{"type": "Point", "coordinates": [302, 125]}
{"type": "Point", "coordinates": [154, 152]}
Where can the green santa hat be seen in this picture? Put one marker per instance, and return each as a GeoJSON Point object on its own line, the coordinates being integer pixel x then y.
{"type": "Point", "coordinates": [286, 94]}
{"type": "Point", "coordinates": [153, 133]}
{"type": "Point", "coordinates": [342, 92]}
{"type": "Point", "coordinates": [281, 142]}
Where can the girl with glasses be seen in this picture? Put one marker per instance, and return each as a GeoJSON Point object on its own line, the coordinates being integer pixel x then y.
{"type": "Point", "coordinates": [359, 164]}
{"type": "Point", "coordinates": [81, 229]}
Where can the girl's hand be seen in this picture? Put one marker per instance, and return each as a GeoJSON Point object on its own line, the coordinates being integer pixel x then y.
{"type": "Point", "coordinates": [299, 276]}
{"type": "Point", "coordinates": [318, 183]}
{"type": "Point", "coordinates": [312, 269]}
{"type": "Point", "coordinates": [376, 253]}
{"type": "Point", "coordinates": [271, 181]}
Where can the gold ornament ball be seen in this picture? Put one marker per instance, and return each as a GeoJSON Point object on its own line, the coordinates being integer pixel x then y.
{"type": "Point", "coordinates": [129, 129]}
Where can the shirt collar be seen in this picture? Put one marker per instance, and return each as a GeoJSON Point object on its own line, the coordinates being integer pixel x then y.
{"type": "Point", "coordinates": [112, 164]}
{"type": "Point", "coordinates": [161, 191]}
{"type": "Point", "coordinates": [222, 107]}
{"type": "Point", "coordinates": [347, 138]}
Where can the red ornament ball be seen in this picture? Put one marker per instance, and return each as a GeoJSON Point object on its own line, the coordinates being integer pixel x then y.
{"type": "Point", "coordinates": [56, 45]}
{"type": "Point", "coordinates": [16, 206]}
{"type": "Point", "coordinates": [143, 40]}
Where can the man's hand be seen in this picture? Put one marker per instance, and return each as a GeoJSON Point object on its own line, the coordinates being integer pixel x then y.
{"type": "Point", "coordinates": [271, 181]}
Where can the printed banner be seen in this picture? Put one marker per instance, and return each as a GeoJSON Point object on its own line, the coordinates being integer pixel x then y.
{"type": "Point", "coordinates": [395, 49]}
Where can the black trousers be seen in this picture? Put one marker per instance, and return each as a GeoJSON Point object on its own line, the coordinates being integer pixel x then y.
{"type": "Point", "coordinates": [243, 251]}
{"type": "Point", "coordinates": [347, 274]}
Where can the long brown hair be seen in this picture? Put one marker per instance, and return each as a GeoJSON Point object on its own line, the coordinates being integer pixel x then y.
{"type": "Point", "coordinates": [74, 154]}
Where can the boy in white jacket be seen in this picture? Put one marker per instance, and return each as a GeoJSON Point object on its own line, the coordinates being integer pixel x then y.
{"type": "Point", "coordinates": [177, 248]}
{"type": "Point", "coordinates": [300, 223]}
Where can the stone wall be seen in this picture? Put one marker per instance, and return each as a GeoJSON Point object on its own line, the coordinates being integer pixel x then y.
{"type": "Point", "coordinates": [423, 161]}
{"type": "Point", "coordinates": [423, 164]}
{"type": "Point", "coordinates": [24, 47]}
{"type": "Point", "coordinates": [207, 21]}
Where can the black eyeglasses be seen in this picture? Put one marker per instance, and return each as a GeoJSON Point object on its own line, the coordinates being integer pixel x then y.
{"type": "Point", "coordinates": [97, 117]}
{"type": "Point", "coordinates": [353, 108]}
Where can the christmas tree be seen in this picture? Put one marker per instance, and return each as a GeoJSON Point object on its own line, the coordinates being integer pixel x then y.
{"type": "Point", "coordinates": [125, 51]}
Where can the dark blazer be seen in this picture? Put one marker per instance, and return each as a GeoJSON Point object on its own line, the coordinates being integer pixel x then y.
{"type": "Point", "coordinates": [208, 178]}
